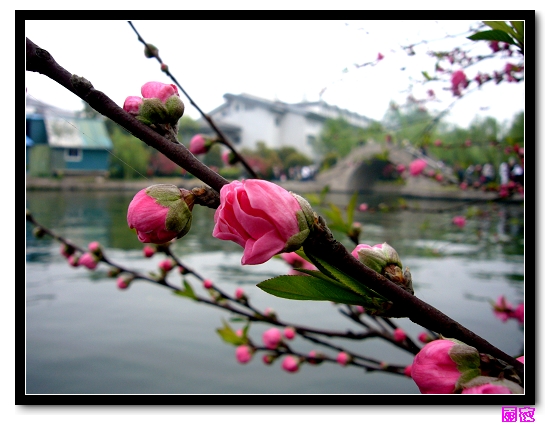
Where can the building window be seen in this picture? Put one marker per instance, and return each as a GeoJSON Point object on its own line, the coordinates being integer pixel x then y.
{"type": "Point", "coordinates": [310, 140]}
{"type": "Point", "coordinates": [73, 155]}
{"type": "Point", "coordinates": [277, 121]}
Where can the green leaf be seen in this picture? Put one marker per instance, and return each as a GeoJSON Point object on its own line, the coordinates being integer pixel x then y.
{"type": "Point", "coordinates": [427, 76]}
{"type": "Point", "coordinates": [519, 27]}
{"type": "Point", "coordinates": [351, 208]}
{"type": "Point", "coordinates": [499, 25]}
{"type": "Point", "coordinates": [344, 279]}
{"type": "Point", "coordinates": [494, 35]}
{"type": "Point", "coordinates": [187, 291]}
{"type": "Point", "coordinates": [298, 287]}
{"type": "Point", "coordinates": [228, 335]}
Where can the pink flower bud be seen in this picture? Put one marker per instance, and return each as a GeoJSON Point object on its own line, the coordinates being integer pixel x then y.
{"type": "Point", "coordinates": [399, 335]}
{"type": "Point", "coordinates": [94, 247]}
{"type": "Point", "coordinates": [243, 353]}
{"type": "Point", "coordinates": [360, 309]}
{"type": "Point", "coordinates": [161, 213]}
{"type": "Point", "coordinates": [88, 260]}
{"type": "Point", "coordinates": [289, 332]}
{"type": "Point", "coordinates": [463, 185]}
{"type": "Point", "coordinates": [132, 104]}
{"type": "Point", "coordinates": [149, 251]}
{"type": "Point", "coordinates": [269, 312]}
{"type": "Point", "coordinates": [520, 358]}
{"type": "Point", "coordinates": [408, 370]}
{"type": "Point", "coordinates": [502, 308]}
{"type": "Point", "coordinates": [459, 81]}
{"type": "Point", "coordinates": [66, 250]}
{"type": "Point", "coordinates": [380, 56]}
{"type": "Point", "coordinates": [272, 338]}
{"type": "Point", "coordinates": [268, 359]}
{"type": "Point", "coordinates": [239, 293]}
{"type": "Point", "coordinates": [239, 332]}
{"type": "Point", "coordinates": [400, 168]}
{"type": "Point", "coordinates": [166, 265]}
{"type": "Point", "coordinates": [263, 218]}
{"type": "Point", "coordinates": [207, 283]}
{"type": "Point", "coordinates": [343, 358]}
{"type": "Point", "coordinates": [440, 364]}
{"type": "Point", "coordinates": [417, 166]}
{"type": "Point", "coordinates": [200, 144]}
{"type": "Point", "coordinates": [424, 337]}
{"type": "Point", "coordinates": [459, 221]}
{"type": "Point", "coordinates": [123, 282]}
{"type": "Point", "coordinates": [74, 260]}
{"type": "Point", "coordinates": [290, 363]}
{"type": "Point", "coordinates": [154, 89]}
{"type": "Point", "coordinates": [363, 207]}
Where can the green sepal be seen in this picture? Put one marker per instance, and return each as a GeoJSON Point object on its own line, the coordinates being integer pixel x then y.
{"type": "Point", "coordinates": [228, 335]}
{"type": "Point", "coordinates": [153, 110]}
{"type": "Point", "coordinates": [175, 107]}
{"type": "Point", "coordinates": [187, 291]}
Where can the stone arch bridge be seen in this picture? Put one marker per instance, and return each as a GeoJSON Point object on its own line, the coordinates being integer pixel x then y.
{"type": "Point", "coordinates": [360, 170]}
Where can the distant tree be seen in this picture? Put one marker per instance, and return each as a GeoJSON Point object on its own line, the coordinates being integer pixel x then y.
{"type": "Point", "coordinates": [130, 157]}
{"type": "Point", "coordinates": [338, 136]}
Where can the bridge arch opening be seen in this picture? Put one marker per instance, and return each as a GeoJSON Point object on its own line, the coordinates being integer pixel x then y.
{"type": "Point", "coordinates": [371, 171]}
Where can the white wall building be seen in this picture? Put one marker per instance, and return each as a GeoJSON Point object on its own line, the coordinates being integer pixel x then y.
{"type": "Point", "coordinates": [246, 119]}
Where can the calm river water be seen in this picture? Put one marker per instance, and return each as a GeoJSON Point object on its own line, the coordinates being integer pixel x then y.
{"type": "Point", "coordinates": [85, 336]}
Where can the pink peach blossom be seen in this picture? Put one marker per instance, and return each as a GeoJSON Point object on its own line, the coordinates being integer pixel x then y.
{"type": "Point", "coordinates": [149, 251]}
{"type": "Point", "coordinates": [343, 358]}
{"type": "Point", "coordinates": [260, 216]}
{"type": "Point", "coordinates": [290, 363]}
{"type": "Point", "coordinates": [417, 166]}
{"type": "Point", "coordinates": [239, 293]}
{"type": "Point", "coordinates": [159, 215]}
{"type": "Point", "coordinates": [399, 335]}
{"type": "Point", "coordinates": [154, 89]}
{"type": "Point", "coordinates": [132, 104]}
{"type": "Point", "coordinates": [380, 56]}
{"type": "Point", "coordinates": [207, 283]}
{"type": "Point", "coordinates": [122, 283]}
{"type": "Point", "coordinates": [363, 207]}
{"type": "Point", "coordinates": [289, 332]}
{"type": "Point", "coordinates": [520, 358]}
{"type": "Point", "coordinates": [166, 265]}
{"type": "Point", "coordinates": [272, 338]}
{"type": "Point", "coordinates": [433, 370]}
{"type": "Point", "coordinates": [88, 260]}
{"type": "Point", "coordinates": [459, 221]}
{"type": "Point", "coordinates": [243, 353]}
{"type": "Point", "coordinates": [198, 145]}
{"type": "Point", "coordinates": [424, 337]}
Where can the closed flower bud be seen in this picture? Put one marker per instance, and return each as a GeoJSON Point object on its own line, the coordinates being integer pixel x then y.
{"type": "Point", "coordinates": [291, 363]}
{"type": "Point", "coordinates": [149, 251]}
{"type": "Point", "coordinates": [263, 218]}
{"type": "Point", "coordinates": [417, 166]}
{"type": "Point", "coordinates": [95, 248]}
{"type": "Point", "coordinates": [66, 250]}
{"type": "Point", "coordinates": [443, 365]}
{"type": "Point", "coordinates": [289, 332]}
{"type": "Point", "coordinates": [73, 260]}
{"type": "Point", "coordinates": [424, 337]}
{"type": "Point", "coordinates": [166, 265]}
{"type": "Point", "coordinates": [315, 358]}
{"type": "Point", "coordinates": [150, 51]}
{"type": "Point", "coordinates": [38, 232]}
{"type": "Point", "coordinates": [200, 144]}
{"type": "Point", "coordinates": [132, 104]}
{"type": "Point", "coordinates": [207, 283]}
{"type": "Point", "coordinates": [376, 257]}
{"type": "Point", "coordinates": [123, 281]}
{"type": "Point", "coordinates": [243, 353]}
{"type": "Point", "coordinates": [88, 260]}
{"type": "Point", "coordinates": [272, 338]}
{"type": "Point", "coordinates": [491, 385]}
{"type": "Point", "coordinates": [160, 104]}
{"type": "Point", "coordinates": [399, 335]}
{"type": "Point", "coordinates": [343, 358]}
{"type": "Point", "coordinates": [161, 213]}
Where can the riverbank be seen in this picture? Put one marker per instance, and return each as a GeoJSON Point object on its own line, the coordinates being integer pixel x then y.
{"type": "Point", "coordinates": [420, 189]}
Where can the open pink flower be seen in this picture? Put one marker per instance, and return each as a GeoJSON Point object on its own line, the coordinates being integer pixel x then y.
{"type": "Point", "coordinates": [399, 335]}
{"type": "Point", "coordinates": [417, 166]}
{"type": "Point", "coordinates": [290, 363]}
{"type": "Point", "coordinates": [262, 217]}
{"type": "Point", "coordinates": [435, 367]}
{"type": "Point", "coordinates": [272, 338]}
{"type": "Point", "coordinates": [160, 213]}
{"type": "Point", "coordinates": [243, 353]}
{"type": "Point", "coordinates": [88, 260]}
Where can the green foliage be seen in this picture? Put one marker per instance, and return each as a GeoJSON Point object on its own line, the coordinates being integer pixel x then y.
{"type": "Point", "coordinates": [228, 335]}
{"type": "Point", "coordinates": [187, 128]}
{"type": "Point", "coordinates": [338, 136]}
{"type": "Point", "coordinates": [187, 291]}
{"type": "Point", "coordinates": [512, 33]}
{"type": "Point", "coordinates": [130, 156]}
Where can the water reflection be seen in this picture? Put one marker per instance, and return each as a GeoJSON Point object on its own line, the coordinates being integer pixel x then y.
{"type": "Point", "coordinates": [85, 336]}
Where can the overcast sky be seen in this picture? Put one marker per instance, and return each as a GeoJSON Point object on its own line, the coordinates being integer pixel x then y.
{"type": "Point", "coordinates": [287, 60]}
